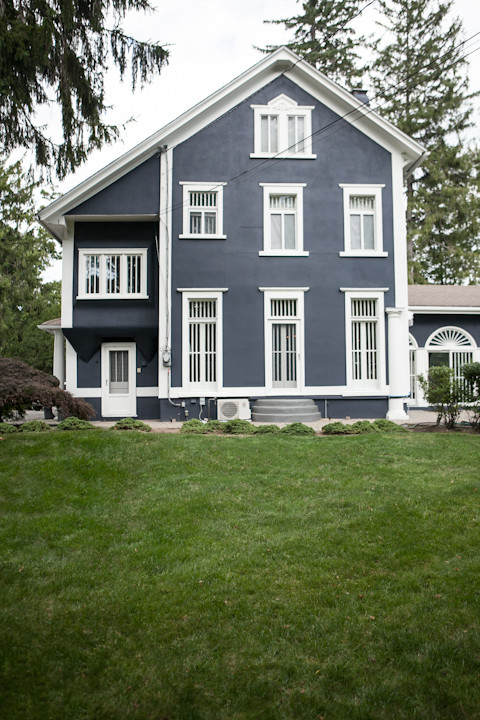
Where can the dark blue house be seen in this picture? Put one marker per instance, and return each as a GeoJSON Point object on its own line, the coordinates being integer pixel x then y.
{"type": "Point", "coordinates": [254, 248]}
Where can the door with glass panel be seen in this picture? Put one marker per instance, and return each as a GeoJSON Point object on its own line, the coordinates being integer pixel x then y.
{"type": "Point", "coordinates": [284, 355]}
{"type": "Point", "coordinates": [119, 398]}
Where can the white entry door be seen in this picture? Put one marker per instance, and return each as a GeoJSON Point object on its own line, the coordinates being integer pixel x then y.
{"type": "Point", "coordinates": [119, 392]}
{"type": "Point", "coordinates": [284, 355]}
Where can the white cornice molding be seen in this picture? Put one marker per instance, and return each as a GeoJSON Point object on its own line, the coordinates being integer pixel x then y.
{"type": "Point", "coordinates": [441, 310]}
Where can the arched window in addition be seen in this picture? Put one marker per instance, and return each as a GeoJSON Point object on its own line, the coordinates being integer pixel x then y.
{"type": "Point", "coordinates": [450, 346]}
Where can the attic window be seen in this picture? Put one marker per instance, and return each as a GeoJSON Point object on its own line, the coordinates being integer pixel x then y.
{"type": "Point", "coordinates": [282, 128]}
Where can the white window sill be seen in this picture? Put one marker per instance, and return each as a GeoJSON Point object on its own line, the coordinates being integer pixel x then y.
{"type": "Point", "coordinates": [202, 237]}
{"type": "Point", "coordinates": [284, 253]}
{"type": "Point", "coordinates": [284, 156]}
{"type": "Point", "coordinates": [362, 253]}
{"type": "Point", "coordinates": [117, 296]}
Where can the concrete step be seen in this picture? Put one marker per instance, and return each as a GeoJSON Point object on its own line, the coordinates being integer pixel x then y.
{"type": "Point", "coordinates": [285, 410]}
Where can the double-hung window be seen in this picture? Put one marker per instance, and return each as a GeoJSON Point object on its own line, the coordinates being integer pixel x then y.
{"type": "Point", "coordinates": [202, 211]}
{"type": "Point", "coordinates": [365, 340]}
{"type": "Point", "coordinates": [362, 212]}
{"type": "Point", "coordinates": [282, 128]}
{"type": "Point", "coordinates": [112, 274]}
{"type": "Point", "coordinates": [283, 219]}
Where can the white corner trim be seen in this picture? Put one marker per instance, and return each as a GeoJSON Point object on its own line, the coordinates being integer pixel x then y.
{"type": "Point", "coordinates": [67, 277]}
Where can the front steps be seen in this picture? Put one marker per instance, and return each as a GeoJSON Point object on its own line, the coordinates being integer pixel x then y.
{"type": "Point", "coordinates": [285, 410]}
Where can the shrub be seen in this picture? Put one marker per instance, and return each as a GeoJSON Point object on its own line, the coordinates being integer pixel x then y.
{"type": "Point", "coordinates": [471, 373]}
{"type": "Point", "coordinates": [74, 423]}
{"type": "Point", "coordinates": [193, 427]}
{"type": "Point", "coordinates": [5, 428]}
{"type": "Point", "coordinates": [388, 426]}
{"type": "Point", "coordinates": [267, 429]}
{"type": "Point", "coordinates": [34, 426]}
{"type": "Point", "coordinates": [131, 424]}
{"type": "Point", "coordinates": [238, 427]}
{"type": "Point", "coordinates": [362, 427]}
{"type": "Point", "coordinates": [213, 426]}
{"type": "Point", "coordinates": [338, 428]}
{"type": "Point", "coordinates": [444, 393]}
{"type": "Point", "coordinates": [297, 428]}
{"type": "Point", "coordinates": [22, 386]}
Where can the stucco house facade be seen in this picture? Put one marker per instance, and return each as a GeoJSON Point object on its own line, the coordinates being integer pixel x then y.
{"type": "Point", "coordinates": [253, 249]}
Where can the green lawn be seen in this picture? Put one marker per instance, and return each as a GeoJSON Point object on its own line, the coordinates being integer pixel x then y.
{"type": "Point", "coordinates": [203, 578]}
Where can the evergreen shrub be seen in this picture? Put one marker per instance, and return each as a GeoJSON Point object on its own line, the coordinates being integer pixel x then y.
{"type": "Point", "coordinates": [131, 424]}
{"type": "Point", "coordinates": [297, 428]}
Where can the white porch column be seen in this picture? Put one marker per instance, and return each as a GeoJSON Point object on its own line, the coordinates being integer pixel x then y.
{"type": "Point", "coordinates": [398, 367]}
{"type": "Point", "coordinates": [59, 357]}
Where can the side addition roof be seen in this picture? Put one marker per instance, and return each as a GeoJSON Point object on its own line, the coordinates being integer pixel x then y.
{"type": "Point", "coordinates": [442, 299]}
{"type": "Point", "coordinates": [282, 61]}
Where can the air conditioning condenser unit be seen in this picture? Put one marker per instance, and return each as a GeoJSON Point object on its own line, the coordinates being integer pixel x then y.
{"type": "Point", "coordinates": [233, 409]}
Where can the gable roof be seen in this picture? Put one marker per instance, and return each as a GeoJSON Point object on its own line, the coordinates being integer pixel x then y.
{"type": "Point", "coordinates": [438, 299]}
{"type": "Point", "coordinates": [282, 61]}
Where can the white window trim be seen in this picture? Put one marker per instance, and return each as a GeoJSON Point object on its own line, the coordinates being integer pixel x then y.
{"type": "Point", "coordinates": [283, 106]}
{"type": "Point", "coordinates": [365, 386]}
{"type": "Point", "coordinates": [189, 187]}
{"type": "Point", "coordinates": [288, 293]}
{"type": "Point", "coordinates": [102, 294]}
{"type": "Point", "coordinates": [283, 189]}
{"type": "Point", "coordinates": [373, 191]}
{"type": "Point", "coordinates": [197, 389]}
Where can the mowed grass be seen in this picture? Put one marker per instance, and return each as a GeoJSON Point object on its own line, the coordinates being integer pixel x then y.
{"type": "Point", "coordinates": [202, 578]}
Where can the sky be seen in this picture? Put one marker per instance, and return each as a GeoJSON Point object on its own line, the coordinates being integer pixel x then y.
{"type": "Point", "coordinates": [210, 44]}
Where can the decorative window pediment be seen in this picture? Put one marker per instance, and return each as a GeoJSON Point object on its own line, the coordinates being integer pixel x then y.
{"type": "Point", "coordinates": [283, 128]}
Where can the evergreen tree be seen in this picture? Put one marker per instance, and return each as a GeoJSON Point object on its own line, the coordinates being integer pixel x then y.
{"type": "Point", "coordinates": [420, 80]}
{"type": "Point", "coordinates": [25, 252]}
{"type": "Point", "coordinates": [324, 37]}
{"type": "Point", "coordinates": [57, 53]}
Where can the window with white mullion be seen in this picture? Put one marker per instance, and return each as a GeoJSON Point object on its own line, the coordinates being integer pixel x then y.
{"type": "Point", "coordinates": [92, 274]}
{"type": "Point", "coordinates": [283, 222]}
{"type": "Point", "coordinates": [364, 339]}
{"type": "Point", "coordinates": [112, 274]}
{"type": "Point", "coordinates": [283, 219]}
{"type": "Point", "coordinates": [202, 210]}
{"type": "Point", "coordinates": [296, 133]}
{"type": "Point", "coordinates": [202, 341]}
{"type": "Point", "coordinates": [362, 222]}
{"type": "Point", "coordinates": [269, 133]}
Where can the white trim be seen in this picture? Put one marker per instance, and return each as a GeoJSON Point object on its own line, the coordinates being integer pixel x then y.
{"type": "Point", "coordinates": [400, 261]}
{"type": "Point", "coordinates": [199, 291]}
{"type": "Point", "coordinates": [215, 187]}
{"type": "Point", "coordinates": [284, 253]}
{"type": "Point", "coordinates": [319, 391]}
{"type": "Point", "coordinates": [450, 346]}
{"type": "Point", "coordinates": [202, 389]}
{"type": "Point", "coordinates": [113, 218]}
{"type": "Point", "coordinates": [67, 276]}
{"type": "Point", "coordinates": [164, 260]}
{"type": "Point", "coordinates": [440, 310]}
{"type": "Point", "coordinates": [364, 290]}
{"type": "Point", "coordinates": [284, 289]}
{"type": "Point", "coordinates": [70, 368]}
{"type": "Point", "coordinates": [103, 253]}
{"type": "Point", "coordinates": [365, 387]}
{"type": "Point", "coordinates": [299, 321]}
{"type": "Point", "coordinates": [282, 107]}
{"type": "Point", "coordinates": [369, 190]}
{"type": "Point", "coordinates": [295, 189]}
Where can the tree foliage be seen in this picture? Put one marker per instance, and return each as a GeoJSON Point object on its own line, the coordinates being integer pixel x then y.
{"type": "Point", "coordinates": [325, 38]}
{"type": "Point", "coordinates": [57, 53]}
{"type": "Point", "coordinates": [25, 252]}
{"type": "Point", "coordinates": [21, 386]}
{"type": "Point", "coordinates": [420, 80]}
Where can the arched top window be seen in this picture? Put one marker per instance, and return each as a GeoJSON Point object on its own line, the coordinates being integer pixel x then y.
{"type": "Point", "coordinates": [450, 338]}
{"type": "Point", "coordinates": [412, 343]}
